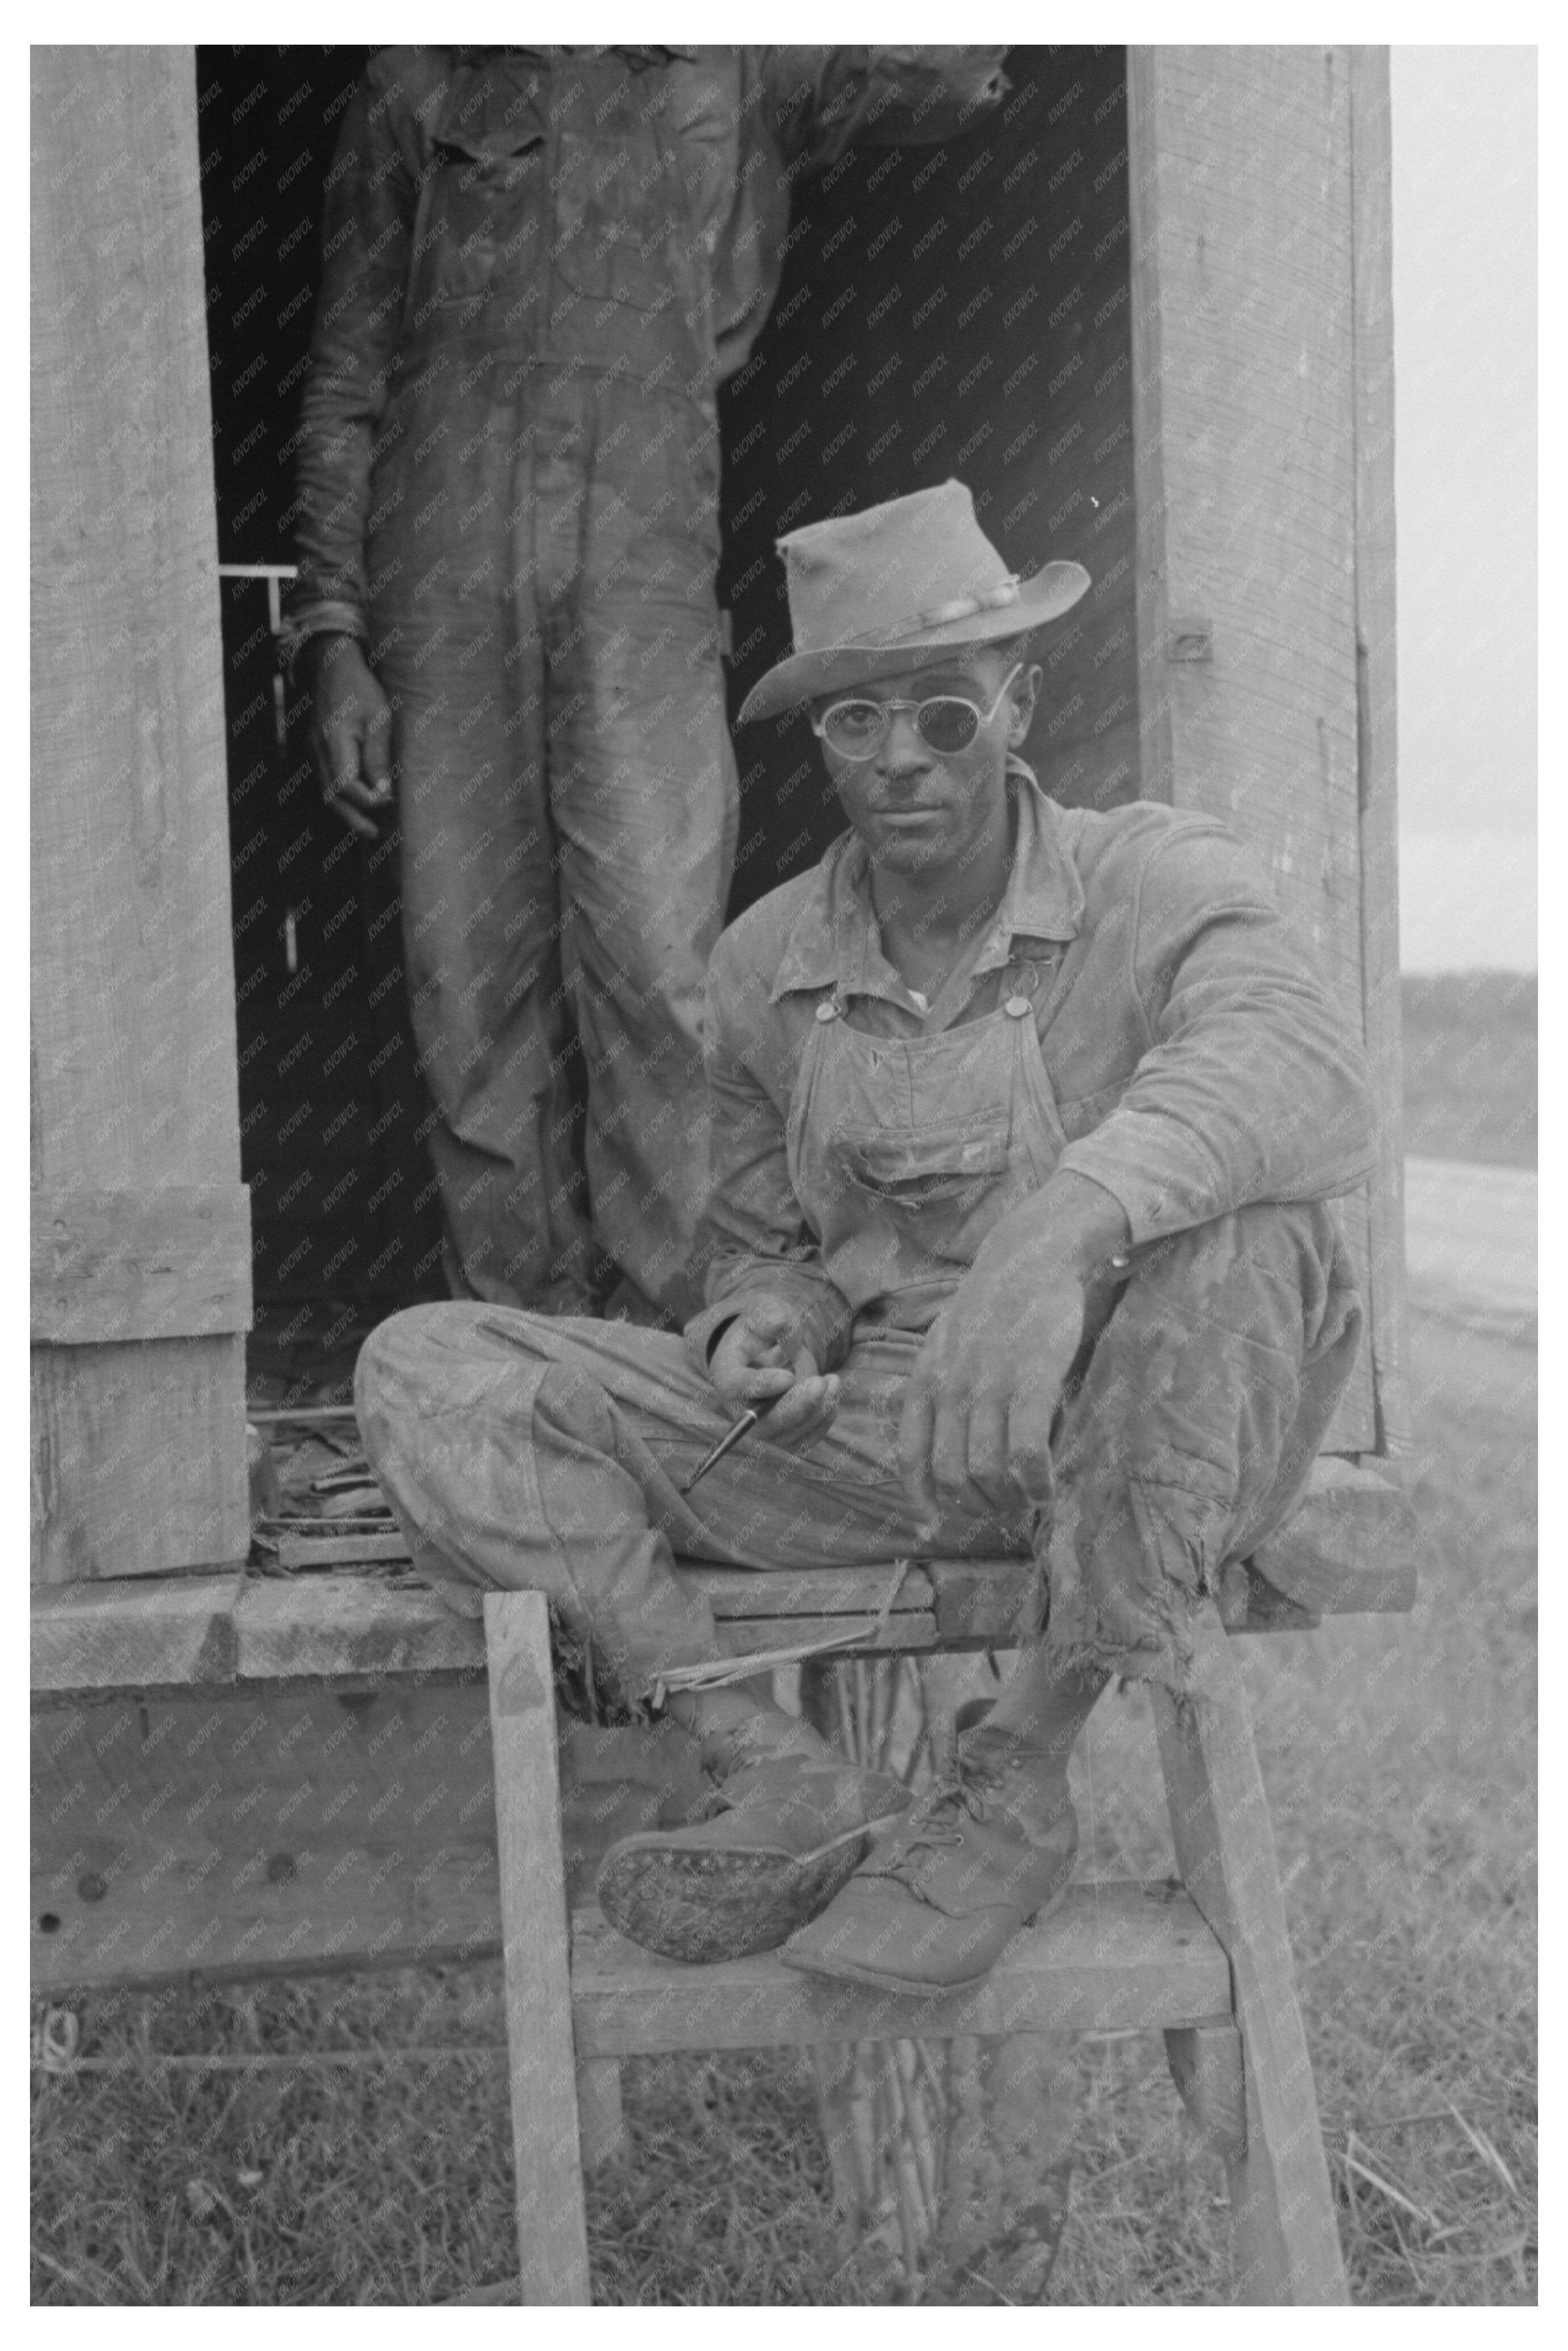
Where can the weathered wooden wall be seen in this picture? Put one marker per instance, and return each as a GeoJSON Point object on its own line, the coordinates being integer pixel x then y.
{"type": "Point", "coordinates": [1263, 527]}
{"type": "Point", "coordinates": [137, 1367]}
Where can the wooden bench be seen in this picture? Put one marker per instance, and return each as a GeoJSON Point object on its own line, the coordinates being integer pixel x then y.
{"type": "Point", "coordinates": [237, 1776]}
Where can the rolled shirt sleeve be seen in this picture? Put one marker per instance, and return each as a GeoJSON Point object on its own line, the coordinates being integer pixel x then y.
{"type": "Point", "coordinates": [1252, 1087]}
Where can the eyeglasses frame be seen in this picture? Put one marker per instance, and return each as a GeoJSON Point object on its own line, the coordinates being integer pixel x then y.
{"type": "Point", "coordinates": [982, 717]}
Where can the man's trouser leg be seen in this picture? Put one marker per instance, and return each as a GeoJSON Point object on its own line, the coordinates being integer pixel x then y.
{"type": "Point", "coordinates": [548, 1455]}
{"type": "Point", "coordinates": [566, 800]}
{"type": "Point", "coordinates": [1188, 1429]}
{"type": "Point", "coordinates": [1188, 1435]}
{"type": "Point", "coordinates": [460, 653]}
{"type": "Point", "coordinates": [510, 1464]}
{"type": "Point", "coordinates": [643, 796]}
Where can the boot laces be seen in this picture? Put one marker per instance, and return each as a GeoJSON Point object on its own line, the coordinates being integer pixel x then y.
{"type": "Point", "coordinates": [970, 1795]}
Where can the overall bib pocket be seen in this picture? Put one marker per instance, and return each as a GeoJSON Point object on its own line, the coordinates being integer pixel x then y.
{"type": "Point", "coordinates": [483, 208]}
{"type": "Point", "coordinates": [481, 225]}
{"type": "Point", "coordinates": [623, 228]}
{"type": "Point", "coordinates": [905, 1153]}
{"type": "Point", "coordinates": [933, 1183]}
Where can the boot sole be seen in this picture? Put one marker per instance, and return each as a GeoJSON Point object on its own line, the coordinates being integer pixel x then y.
{"type": "Point", "coordinates": [703, 1904]}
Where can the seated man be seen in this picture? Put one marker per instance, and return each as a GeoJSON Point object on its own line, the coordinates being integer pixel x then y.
{"type": "Point", "coordinates": [1024, 1122]}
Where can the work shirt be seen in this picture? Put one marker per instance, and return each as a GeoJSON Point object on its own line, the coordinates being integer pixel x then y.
{"type": "Point", "coordinates": [1183, 1054]}
{"type": "Point", "coordinates": [491, 212]}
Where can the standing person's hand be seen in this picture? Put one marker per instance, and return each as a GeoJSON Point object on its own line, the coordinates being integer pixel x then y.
{"type": "Point", "coordinates": [351, 731]}
{"type": "Point", "coordinates": [761, 1354]}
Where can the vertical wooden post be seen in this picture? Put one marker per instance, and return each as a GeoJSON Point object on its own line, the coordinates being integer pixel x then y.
{"type": "Point", "coordinates": [1244, 421]}
{"type": "Point", "coordinates": [141, 1225]}
{"type": "Point", "coordinates": [1285, 2243]}
{"type": "Point", "coordinates": [1372, 263]}
{"type": "Point", "coordinates": [552, 2229]}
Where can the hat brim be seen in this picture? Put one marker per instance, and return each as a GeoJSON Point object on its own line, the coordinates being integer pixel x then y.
{"type": "Point", "coordinates": [1049, 592]}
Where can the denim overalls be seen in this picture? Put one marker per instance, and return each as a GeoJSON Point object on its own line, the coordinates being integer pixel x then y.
{"type": "Point", "coordinates": [549, 1453]}
{"type": "Point", "coordinates": [905, 1152]}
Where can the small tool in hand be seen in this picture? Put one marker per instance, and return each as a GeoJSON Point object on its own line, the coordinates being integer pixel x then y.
{"type": "Point", "coordinates": [731, 1438]}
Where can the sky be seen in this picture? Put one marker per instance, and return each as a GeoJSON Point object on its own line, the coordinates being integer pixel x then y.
{"type": "Point", "coordinates": [1464, 129]}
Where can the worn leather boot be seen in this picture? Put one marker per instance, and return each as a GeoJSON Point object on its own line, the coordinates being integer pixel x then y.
{"type": "Point", "coordinates": [984, 1853]}
{"type": "Point", "coordinates": [787, 1822]}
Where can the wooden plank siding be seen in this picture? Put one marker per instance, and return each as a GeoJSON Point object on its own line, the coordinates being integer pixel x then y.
{"type": "Point", "coordinates": [137, 1439]}
{"type": "Point", "coordinates": [169, 1264]}
{"type": "Point", "coordinates": [1244, 426]}
{"type": "Point", "coordinates": [239, 1832]}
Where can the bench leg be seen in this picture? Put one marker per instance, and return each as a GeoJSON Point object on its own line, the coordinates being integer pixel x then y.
{"type": "Point", "coordinates": [552, 2228]}
{"type": "Point", "coordinates": [1285, 2243]}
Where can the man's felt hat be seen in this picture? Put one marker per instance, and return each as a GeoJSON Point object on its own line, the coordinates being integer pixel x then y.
{"type": "Point", "coordinates": [869, 592]}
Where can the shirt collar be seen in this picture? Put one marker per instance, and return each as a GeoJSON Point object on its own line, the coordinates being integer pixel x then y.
{"type": "Point", "coordinates": [834, 934]}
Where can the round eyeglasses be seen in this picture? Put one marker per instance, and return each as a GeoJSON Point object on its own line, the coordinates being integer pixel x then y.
{"type": "Point", "coordinates": [857, 728]}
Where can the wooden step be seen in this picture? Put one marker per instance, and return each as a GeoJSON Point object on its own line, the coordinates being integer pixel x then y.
{"type": "Point", "coordinates": [173, 1632]}
{"type": "Point", "coordinates": [1116, 1955]}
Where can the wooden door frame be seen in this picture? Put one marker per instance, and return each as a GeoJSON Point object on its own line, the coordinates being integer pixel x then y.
{"type": "Point", "coordinates": [1193, 746]}
{"type": "Point", "coordinates": [141, 1225]}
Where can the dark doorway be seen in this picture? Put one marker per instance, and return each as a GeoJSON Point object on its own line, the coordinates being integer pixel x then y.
{"type": "Point", "coordinates": [953, 310]}
{"type": "Point", "coordinates": [343, 1207]}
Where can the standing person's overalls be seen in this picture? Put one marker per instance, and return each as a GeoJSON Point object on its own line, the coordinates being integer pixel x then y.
{"type": "Point", "coordinates": [538, 266]}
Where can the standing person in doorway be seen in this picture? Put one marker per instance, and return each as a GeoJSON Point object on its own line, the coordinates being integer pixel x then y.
{"type": "Point", "coordinates": [538, 266]}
